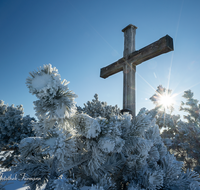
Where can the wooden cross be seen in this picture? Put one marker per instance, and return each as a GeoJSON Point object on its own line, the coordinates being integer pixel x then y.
{"type": "Point", "coordinates": [130, 59]}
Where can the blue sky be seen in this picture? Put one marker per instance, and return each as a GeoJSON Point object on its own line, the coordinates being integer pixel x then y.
{"type": "Point", "coordinates": [80, 37]}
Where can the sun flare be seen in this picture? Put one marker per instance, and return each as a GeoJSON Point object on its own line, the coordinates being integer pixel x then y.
{"type": "Point", "coordinates": [166, 101]}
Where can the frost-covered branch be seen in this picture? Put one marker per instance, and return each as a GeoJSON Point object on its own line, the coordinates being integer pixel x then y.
{"type": "Point", "coordinates": [95, 146]}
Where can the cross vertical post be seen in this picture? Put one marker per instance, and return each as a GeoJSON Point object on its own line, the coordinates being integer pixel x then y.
{"type": "Point", "coordinates": [129, 70]}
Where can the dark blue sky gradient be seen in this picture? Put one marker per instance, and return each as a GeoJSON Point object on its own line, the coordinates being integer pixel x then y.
{"type": "Point", "coordinates": [79, 37]}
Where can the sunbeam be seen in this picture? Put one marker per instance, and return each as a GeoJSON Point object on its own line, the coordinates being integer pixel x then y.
{"type": "Point", "coordinates": [170, 68]}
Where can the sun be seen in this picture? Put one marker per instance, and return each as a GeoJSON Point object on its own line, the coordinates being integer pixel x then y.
{"type": "Point", "coordinates": [166, 100]}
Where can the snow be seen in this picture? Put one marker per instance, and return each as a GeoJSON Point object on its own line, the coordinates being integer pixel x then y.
{"type": "Point", "coordinates": [107, 145]}
{"type": "Point", "coordinates": [13, 183]}
{"type": "Point", "coordinates": [94, 128]}
{"type": "Point", "coordinates": [87, 126]}
{"type": "Point", "coordinates": [51, 141]}
{"type": "Point", "coordinates": [151, 179]}
{"type": "Point", "coordinates": [41, 81]}
{"type": "Point", "coordinates": [23, 188]}
{"type": "Point", "coordinates": [18, 185]}
{"type": "Point", "coordinates": [85, 188]}
{"type": "Point", "coordinates": [30, 140]}
{"type": "Point", "coordinates": [60, 111]}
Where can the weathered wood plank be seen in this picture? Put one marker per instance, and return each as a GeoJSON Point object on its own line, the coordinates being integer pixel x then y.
{"type": "Point", "coordinates": [112, 68]}
{"type": "Point", "coordinates": [163, 45]}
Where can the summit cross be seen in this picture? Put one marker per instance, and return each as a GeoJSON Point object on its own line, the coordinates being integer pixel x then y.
{"type": "Point", "coordinates": [130, 59]}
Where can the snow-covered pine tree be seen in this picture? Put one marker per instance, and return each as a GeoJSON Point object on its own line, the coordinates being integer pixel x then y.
{"type": "Point", "coordinates": [94, 150]}
{"type": "Point", "coordinates": [181, 137]}
{"type": "Point", "coordinates": [96, 108]}
{"type": "Point", "coordinates": [13, 128]}
{"type": "Point", "coordinates": [187, 140]}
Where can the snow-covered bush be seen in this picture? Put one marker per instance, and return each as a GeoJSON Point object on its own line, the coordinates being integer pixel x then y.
{"type": "Point", "coordinates": [13, 128]}
{"type": "Point", "coordinates": [181, 137]}
{"type": "Point", "coordinates": [91, 148]}
{"type": "Point", "coordinates": [187, 140]}
{"type": "Point", "coordinates": [96, 108]}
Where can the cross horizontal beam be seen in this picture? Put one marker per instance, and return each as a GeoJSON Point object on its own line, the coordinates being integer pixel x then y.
{"type": "Point", "coordinates": [163, 45]}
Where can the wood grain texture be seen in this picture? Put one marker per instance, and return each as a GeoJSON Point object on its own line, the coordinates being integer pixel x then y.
{"type": "Point", "coordinates": [163, 45]}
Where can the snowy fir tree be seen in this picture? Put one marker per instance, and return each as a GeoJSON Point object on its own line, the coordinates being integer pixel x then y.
{"type": "Point", "coordinates": [13, 128]}
{"type": "Point", "coordinates": [94, 147]}
{"type": "Point", "coordinates": [182, 138]}
{"type": "Point", "coordinates": [96, 108]}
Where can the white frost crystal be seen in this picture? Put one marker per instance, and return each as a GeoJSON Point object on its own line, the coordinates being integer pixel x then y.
{"type": "Point", "coordinates": [111, 144]}
{"type": "Point", "coordinates": [41, 81]}
{"type": "Point", "coordinates": [61, 111]}
{"type": "Point", "coordinates": [107, 144]}
{"type": "Point", "coordinates": [87, 126]}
